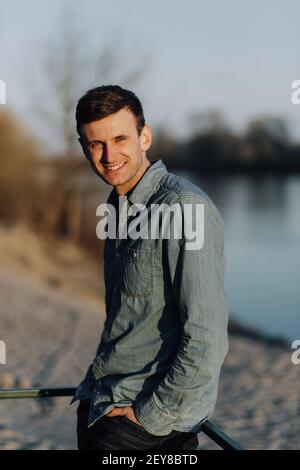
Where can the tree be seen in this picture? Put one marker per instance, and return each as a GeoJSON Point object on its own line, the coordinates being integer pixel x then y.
{"type": "Point", "coordinates": [19, 179]}
{"type": "Point", "coordinates": [268, 137]}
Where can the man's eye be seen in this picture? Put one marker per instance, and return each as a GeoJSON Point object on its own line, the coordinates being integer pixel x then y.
{"type": "Point", "coordinates": [94, 145]}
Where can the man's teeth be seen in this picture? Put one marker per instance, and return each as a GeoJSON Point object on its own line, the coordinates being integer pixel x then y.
{"type": "Point", "coordinates": [115, 167]}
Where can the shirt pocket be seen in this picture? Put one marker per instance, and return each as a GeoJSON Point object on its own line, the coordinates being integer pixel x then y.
{"type": "Point", "coordinates": [138, 273]}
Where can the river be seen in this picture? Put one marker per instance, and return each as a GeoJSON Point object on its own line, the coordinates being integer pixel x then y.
{"type": "Point", "coordinates": [262, 248]}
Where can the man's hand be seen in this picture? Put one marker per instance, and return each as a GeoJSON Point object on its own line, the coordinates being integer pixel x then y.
{"type": "Point", "coordinates": [124, 411]}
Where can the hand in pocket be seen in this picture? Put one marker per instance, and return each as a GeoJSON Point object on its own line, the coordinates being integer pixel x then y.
{"type": "Point", "coordinates": [126, 411]}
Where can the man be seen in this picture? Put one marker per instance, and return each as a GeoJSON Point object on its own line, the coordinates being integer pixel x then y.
{"type": "Point", "coordinates": [155, 376]}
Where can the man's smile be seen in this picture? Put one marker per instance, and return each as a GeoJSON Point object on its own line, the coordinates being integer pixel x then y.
{"type": "Point", "coordinates": [115, 167]}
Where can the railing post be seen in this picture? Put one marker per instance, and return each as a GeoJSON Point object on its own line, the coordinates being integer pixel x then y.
{"type": "Point", "coordinates": [219, 437]}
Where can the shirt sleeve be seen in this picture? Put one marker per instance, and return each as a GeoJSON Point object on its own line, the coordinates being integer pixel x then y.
{"type": "Point", "coordinates": [197, 283]}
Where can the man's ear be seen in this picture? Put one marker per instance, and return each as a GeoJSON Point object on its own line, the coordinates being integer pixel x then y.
{"type": "Point", "coordinates": [146, 137]}
{"type": "Point", "coordinates": [84, 148]}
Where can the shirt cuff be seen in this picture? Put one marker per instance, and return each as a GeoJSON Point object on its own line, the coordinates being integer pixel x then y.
{"type": "Point", "coordinates": [85, 388]}
{"type": "Point", "coordinates": [154, 420]}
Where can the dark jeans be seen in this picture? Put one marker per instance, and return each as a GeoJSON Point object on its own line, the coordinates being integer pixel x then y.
{"type": "Point", "coordinates": [120, 433]}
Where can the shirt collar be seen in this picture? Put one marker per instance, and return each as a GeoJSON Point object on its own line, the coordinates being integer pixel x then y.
{"type": "Point", "coordinates": [146, 185]}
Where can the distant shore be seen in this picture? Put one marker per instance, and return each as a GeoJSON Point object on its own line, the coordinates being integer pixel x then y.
{"type": "Point", "coordinates": [237, 329]}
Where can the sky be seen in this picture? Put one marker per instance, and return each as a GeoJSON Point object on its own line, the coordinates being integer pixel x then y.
{"type": "Point", "coordinates": [236, 57]}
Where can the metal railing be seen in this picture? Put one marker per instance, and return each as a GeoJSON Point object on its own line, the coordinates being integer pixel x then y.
{"type": "Point", "coordinates": [211, 430]}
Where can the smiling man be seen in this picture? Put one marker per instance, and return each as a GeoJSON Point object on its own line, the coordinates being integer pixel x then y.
{"type": "Point", "coordinates": [155, 375]}
{"type": "Point", "coordinates": [116, 148]}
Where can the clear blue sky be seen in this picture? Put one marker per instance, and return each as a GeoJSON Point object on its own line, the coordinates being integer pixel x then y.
{"type": "Point", "coordinates": [236, 56]}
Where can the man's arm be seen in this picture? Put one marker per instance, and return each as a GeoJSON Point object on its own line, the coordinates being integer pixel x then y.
{"type": "Point", "coordinates": [197, 280]}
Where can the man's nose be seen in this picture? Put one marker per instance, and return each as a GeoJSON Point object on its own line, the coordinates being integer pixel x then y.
{"type": "Point", "coordinates": [109, 154]}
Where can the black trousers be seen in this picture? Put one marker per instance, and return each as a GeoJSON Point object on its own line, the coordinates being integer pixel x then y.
{"type": "Point", "coordinates": [120, 433]}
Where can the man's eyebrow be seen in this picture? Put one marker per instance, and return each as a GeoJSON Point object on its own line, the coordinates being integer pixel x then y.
{"type": "Point", "coordinates": [94, 141]}
{"type": "Point", "coordinates": [114, 138]}
{"type": "Point", "coordinates": [118, 136]}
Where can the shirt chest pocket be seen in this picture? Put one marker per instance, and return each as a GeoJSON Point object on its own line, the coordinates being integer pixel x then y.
{"type": "Point", "coordinates": [138, 273]}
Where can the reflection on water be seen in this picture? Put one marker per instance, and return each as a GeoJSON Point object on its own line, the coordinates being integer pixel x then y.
{"type": "Point", "coordinates": [262, 243]}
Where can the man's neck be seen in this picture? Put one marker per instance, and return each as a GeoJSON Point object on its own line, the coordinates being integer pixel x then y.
{"type": "Point", "coordinates": [125, 191]}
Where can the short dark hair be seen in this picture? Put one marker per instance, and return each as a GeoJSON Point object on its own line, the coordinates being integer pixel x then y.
{"type": "Point", "coordinates": [102, 101]}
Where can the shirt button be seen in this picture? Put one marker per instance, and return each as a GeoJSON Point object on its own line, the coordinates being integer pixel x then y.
{"type": "Point", "coordinates": [134, 254]}
{"type": "Point", "coordinates": [117, 254]}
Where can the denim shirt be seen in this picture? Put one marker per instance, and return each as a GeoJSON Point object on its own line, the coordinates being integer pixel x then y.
{"type": "Point", "coordinates": [164, 338]}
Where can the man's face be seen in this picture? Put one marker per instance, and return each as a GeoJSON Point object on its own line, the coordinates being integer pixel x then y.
{"type": "Point", "coordinates": [116, 152]}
